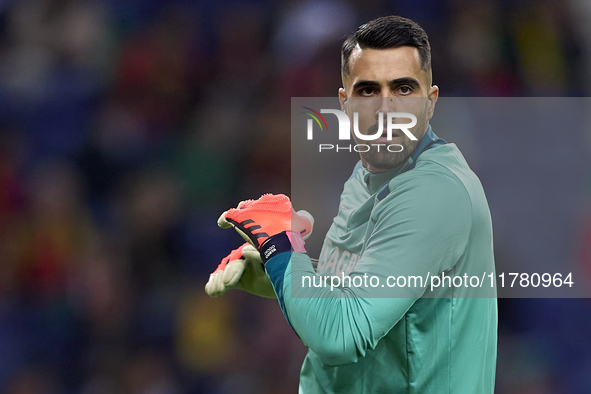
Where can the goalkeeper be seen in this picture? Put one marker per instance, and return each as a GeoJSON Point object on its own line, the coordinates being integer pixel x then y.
{"type": "Point", "coordinates": [413, 213]}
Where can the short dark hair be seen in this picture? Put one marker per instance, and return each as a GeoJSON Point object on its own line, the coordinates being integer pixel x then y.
{"type": "Point", "coordinates": [387, 32]}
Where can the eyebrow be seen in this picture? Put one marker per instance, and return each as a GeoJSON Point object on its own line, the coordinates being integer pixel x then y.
{"type": "Point", "coordinates": [398, 81]}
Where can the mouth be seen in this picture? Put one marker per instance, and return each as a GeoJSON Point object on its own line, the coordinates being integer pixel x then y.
{"type": "Point", "coordinates": [396, 134]}
{"type": "Point", "coordinates": [383, 138]}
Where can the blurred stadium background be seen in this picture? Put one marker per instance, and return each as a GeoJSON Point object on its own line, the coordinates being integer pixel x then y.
{"type": "Point", "coordinates": [126, 127]}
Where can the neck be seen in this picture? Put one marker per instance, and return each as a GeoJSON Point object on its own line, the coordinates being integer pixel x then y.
{"type": "Point", "coordinates": [373, 170]}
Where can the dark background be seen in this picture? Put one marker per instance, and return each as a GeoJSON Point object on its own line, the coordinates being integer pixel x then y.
{"type": "Point", "coordinates": [127, 127]}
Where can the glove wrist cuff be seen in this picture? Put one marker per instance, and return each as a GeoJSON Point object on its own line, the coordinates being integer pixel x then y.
{"type": "Point", "coordinates": [285, 241]}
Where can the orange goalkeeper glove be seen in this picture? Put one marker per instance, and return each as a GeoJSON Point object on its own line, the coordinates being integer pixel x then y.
{"type": "Point", "coordinates": [243, 267]}
{"type": "Point", "coordinates": [270, 224]}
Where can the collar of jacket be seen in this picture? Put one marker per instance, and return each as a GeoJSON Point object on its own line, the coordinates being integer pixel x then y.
{"type": "Point", "coordinates": [376, 182]}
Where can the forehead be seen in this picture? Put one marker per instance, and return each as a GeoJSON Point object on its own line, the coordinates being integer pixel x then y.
{"type": "Point", "coordinates": [383, 65]}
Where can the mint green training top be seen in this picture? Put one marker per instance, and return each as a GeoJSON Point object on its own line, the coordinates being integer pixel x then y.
{"type": "Point", "coordinates": [386, 329]}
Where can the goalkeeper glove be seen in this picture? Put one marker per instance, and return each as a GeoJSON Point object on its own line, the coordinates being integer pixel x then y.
{"type": "Point", "coordinates": [243, 267]}
{"type": "Point", "coordinates": [270, 224]}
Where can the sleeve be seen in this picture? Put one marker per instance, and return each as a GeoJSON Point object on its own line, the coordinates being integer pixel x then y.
{"type": "Point", "coordinates": [419, 230]}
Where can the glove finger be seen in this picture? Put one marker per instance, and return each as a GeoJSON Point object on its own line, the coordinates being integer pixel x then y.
{"type": "Point", "coordinates": [252, 255]}
{"type": "Point", "coordinates": [223, 223]}
{"type": "Point", "coordinates": [208, 286]}
{"type": "Point", "coordinates": [215, 285]}
{"type": "Point", "coordinates": [233, 272]}
{"type": "Point", "coordinates": [308, 216]}
{"type": "Point", "coordinates": [211, 287]}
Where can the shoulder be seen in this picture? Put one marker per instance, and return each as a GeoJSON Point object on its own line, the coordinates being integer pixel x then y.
{"type": "Point", "coordinates": [432, 179]}
{"type": "Point", "coordinates": [435, 187]}
{"type": "Point", "coordinates": [441, 171]}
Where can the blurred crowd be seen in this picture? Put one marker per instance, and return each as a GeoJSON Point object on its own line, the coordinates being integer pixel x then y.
{"type": "Point", "coordinates": [127, 127]}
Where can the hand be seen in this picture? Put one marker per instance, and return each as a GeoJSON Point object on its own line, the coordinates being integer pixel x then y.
{"type": "Point", "coordinates": [241, 269]}
{"type": "Point", "coordinates": [257, 221]}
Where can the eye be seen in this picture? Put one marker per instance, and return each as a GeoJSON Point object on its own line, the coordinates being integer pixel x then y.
{"type": "Point", "coordinates": [367, 91]}
{"type": "Point", "coordinates": [405, 89]}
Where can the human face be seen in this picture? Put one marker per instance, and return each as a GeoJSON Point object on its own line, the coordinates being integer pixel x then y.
{"type": "Point", "coordinates": [388, 80]}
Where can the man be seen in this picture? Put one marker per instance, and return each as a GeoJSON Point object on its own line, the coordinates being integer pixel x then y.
{"type": "Point", "coordinates": [417, 213]}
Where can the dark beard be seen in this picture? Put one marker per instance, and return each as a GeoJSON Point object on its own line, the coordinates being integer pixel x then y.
{"type": "Point", "coordinates": [385, 160]}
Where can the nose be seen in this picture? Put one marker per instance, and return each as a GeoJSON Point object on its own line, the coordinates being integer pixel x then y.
{"type": "Point", "coordinates": [387, 104]}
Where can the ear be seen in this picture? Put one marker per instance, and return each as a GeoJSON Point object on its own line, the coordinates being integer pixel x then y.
{"type": "Point", "coordinates": [433, 95]}
{"type": "Point", "coordinates": [343, 99]}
